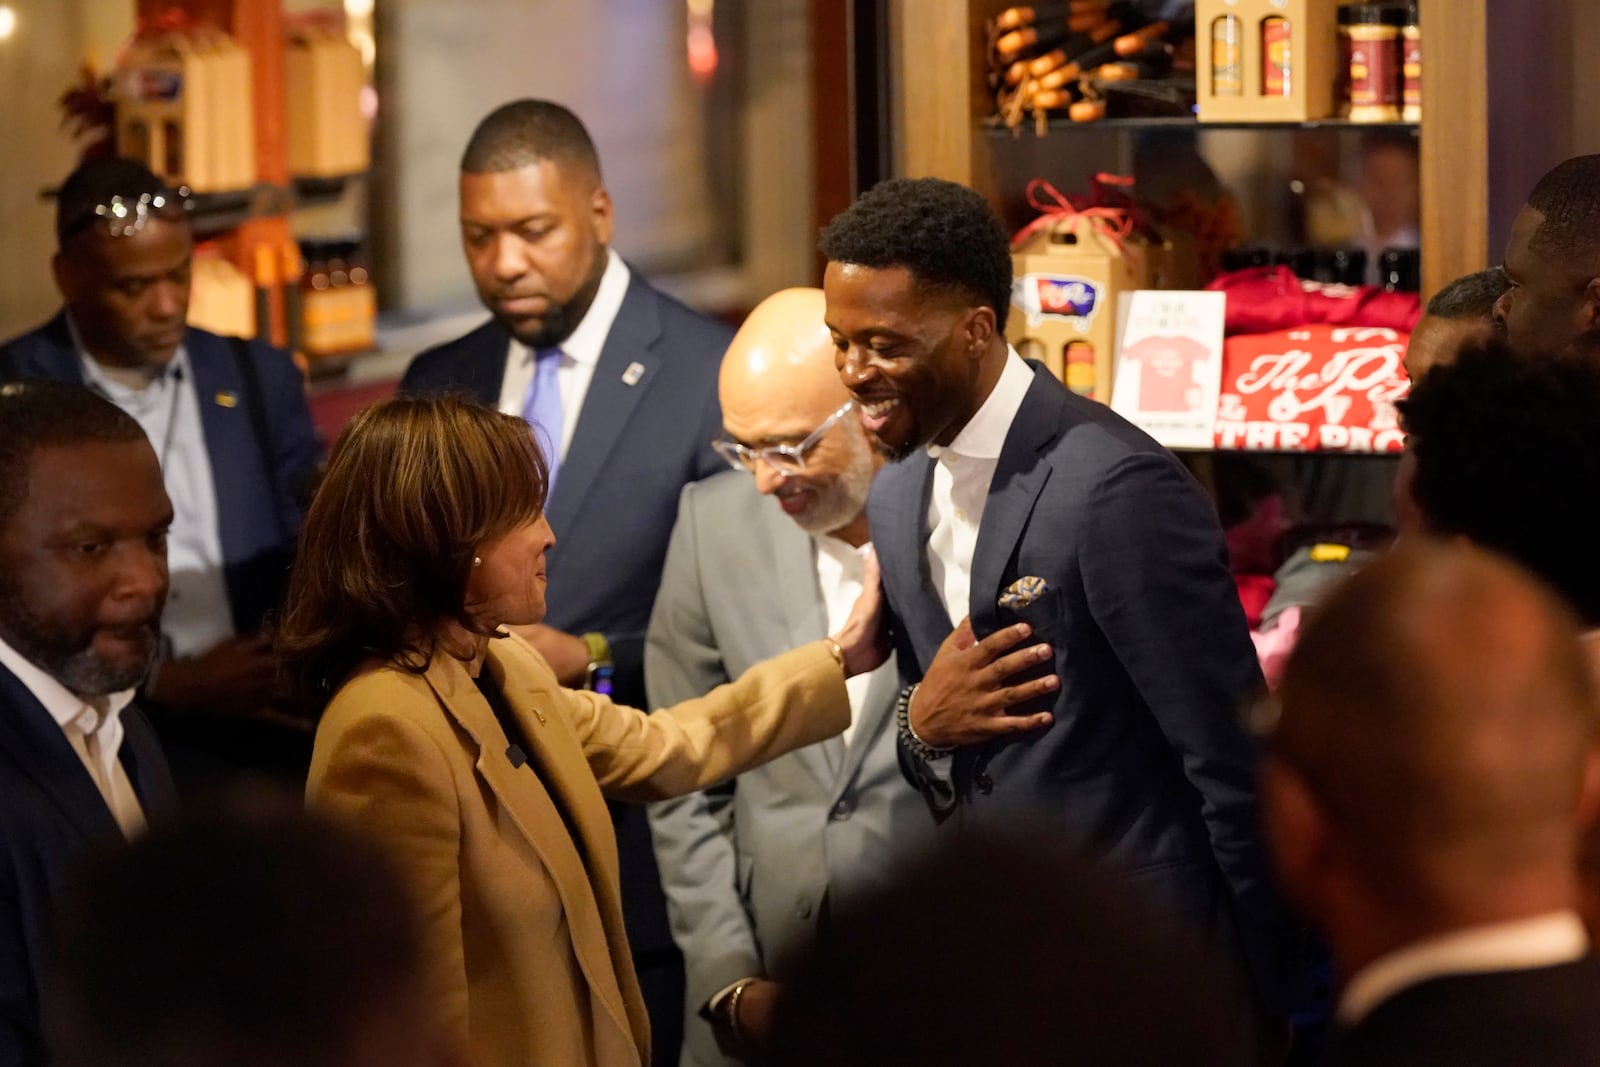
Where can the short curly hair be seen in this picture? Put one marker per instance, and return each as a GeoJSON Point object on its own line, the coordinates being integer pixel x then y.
{"type": "Point", "coordinates": [1507, 454]}
{"type": "Point", "coordinates": [945, 234]}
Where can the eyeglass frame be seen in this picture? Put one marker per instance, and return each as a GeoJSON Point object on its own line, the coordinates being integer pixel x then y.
{"type": "Point", "coordinates": [125, 216]}
{"type": "Point", "coordinates": [743, 458]}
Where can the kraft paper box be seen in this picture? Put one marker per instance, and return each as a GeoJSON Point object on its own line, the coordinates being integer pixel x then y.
{"type": "Point", "coordinates": [1066, 282]}
{"type": "Point", "coordinates": [323, 77]}
{"type": "Point", "coordinates": [184, 109]}
{"type": "Point", "coordinates": [1308, 44]}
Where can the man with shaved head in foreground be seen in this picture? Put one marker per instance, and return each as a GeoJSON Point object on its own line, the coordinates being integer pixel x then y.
{"type": "Point", "coordinates": [1429, 776]}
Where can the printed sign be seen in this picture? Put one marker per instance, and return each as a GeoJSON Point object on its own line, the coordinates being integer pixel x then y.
{"type": "Point", "coordinates": [1057, 296]}
{"type": "Point", "coordinates": [1169, 365]}
{"type": "Point", "coordinates": [1313, 389]}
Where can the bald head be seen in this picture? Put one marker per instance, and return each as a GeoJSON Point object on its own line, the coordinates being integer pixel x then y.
{"type": "Point", "coordinates": [778, 385]}
{"type": "Point", "coordinates": [1438, 713]}
{"type": "Point", "coordinates": [783, 355]}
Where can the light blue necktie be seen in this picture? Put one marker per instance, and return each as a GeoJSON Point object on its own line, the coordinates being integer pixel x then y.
{"type": "Point", "coordinates": [542, 410]}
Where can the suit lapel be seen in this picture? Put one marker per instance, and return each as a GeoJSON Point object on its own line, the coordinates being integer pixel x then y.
{"type": "Point", "coordinates": [483, 369]}
{"type": "Point", "coordinates": [899, 514]}
{"type": "Point", "coordinates": [48, 353]}
{"type": "Point", "coordinates": [805, 616]}
{"type": "Point", "coordinates": [1019, 476]}
{"type": "Point", "coordinates": [610, 399]}
{"type": "Point", "coordinates": [882, 690]}
{"type": "Point", "coordinates": [43, 753]}
{"type": "Point", "coordinates": [529, 798]}
{"type": "Point", "coordinates": [235, 457]}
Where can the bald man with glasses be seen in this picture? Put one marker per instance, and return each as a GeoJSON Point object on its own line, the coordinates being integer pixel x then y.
{"type": "Point", "coordinates": [763, 558]}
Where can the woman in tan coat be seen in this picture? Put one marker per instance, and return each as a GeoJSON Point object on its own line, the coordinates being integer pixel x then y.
{"type": "Point", "coordinates": [452, 742]}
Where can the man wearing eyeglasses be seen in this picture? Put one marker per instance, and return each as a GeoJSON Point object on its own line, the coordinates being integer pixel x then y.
{"type": "Point", "coordinates": [765, 557]}
{"type": "Point", "coordinates": [231, 427]}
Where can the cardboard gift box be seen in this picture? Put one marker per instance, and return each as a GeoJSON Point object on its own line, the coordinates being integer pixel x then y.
{"type": "Point", "coordinates": [1266, 60]}
{"type": "Point", "coordinates": [1068, 270]}
{"type": "Point", "coordinates": [184, 109]}
{"type": "Point", "coordinates": [323, 77]}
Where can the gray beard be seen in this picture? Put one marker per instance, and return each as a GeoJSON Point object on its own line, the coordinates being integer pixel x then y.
{"type": "Point", "coordinates": [842, 501]}
{"type": "Point", "coordinates": [68, 658]}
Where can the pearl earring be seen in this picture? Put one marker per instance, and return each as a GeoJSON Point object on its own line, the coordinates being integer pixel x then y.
{"type": "Point", "coordinates": [477, 561]}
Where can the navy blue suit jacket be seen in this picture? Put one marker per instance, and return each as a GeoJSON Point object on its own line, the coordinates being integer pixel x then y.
{"type": "Point", "coordinates": [633, 450]}
{"type": "Point", "coordinates": [258, 505]}
{"type": "Point", "coordinates": [51, 812]}
{"type": "Point", "coordinates": [1146, 766]}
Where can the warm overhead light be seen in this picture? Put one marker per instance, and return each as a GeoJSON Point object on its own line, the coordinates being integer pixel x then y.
{"type": "Point", "coordinates": [8, 21]}
{"type": "Point", "coordinates": [358, 9]}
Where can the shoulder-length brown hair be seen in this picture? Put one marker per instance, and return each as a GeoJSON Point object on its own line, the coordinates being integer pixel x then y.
{"type": "Point", "coordinates": [413, 489]}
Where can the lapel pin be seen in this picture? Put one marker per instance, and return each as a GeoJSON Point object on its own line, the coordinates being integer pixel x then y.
{"type": "Point", "coordinates": [226, 399]}
{"type": "Point", "coordinates": [632, 375]}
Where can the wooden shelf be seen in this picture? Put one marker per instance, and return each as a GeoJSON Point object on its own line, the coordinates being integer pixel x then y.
{"type": "Point", "coordinates": [1494, 119]}
{"type": "Point", "coordinates": [994, 128]}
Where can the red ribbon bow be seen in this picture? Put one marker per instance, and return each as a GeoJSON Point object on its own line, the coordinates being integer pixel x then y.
{"type": "Point", "coordinates": [1115, 224]}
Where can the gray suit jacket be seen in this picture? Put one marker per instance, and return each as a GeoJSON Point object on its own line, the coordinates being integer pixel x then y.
{"type": "Point", "coordinates": [747, 867]}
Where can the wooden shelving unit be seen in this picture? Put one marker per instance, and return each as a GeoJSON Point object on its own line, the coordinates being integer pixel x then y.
{"type": "Point", "coordinates": [1493, 120]}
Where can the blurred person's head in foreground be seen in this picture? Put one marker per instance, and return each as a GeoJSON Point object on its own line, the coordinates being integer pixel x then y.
{"type": "Point", "coordinates": [1430, 768]}
{"type": "Point", "coordinates": [247, 939]}
{"type": "Point", "coordinates": [1000, 952]}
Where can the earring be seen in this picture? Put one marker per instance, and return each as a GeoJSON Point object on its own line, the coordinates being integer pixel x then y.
{"type": "Point", "coordinates": [477, 561]}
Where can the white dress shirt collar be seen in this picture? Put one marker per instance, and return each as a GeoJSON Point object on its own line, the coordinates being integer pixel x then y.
{"type": "Point", "coordinates": [583, 344]}
{"type": "Point", "coordinates": [68, 709]}
{"type": "Point", "coordinates": [1521, 944]}
{"type": "Point", "coordinates": [984, 435]}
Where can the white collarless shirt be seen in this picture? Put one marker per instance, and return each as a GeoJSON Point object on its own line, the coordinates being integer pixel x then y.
{"type": "Point", "coordinates": [197, 615]}
{"type": "Point", "coordinates": [840, 570]}
{"type": "Point", "coordinates": [580, 352]}
{"type": "Point", "coordinates": [962, 472]}
{"type": "Point", "coordinates": [93, 728]}
{"type": "Point", "coordinates": [1522, 944]}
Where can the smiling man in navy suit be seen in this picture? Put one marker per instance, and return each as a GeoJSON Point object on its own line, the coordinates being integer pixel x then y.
{"type": "Point", "coordinates": [1014, 499]}
{"type": "Point", "coordinates": [83, 575]}
{"type": "Point", "coordinates": [620, 383]}
{"type": "Point", "coordinates": [231, 427]}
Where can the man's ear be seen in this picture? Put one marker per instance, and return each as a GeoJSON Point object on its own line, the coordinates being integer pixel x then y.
{"type": "Point", "coordinates": [979, 328]}
{"type": "Point", "coordinates": [600, 212]}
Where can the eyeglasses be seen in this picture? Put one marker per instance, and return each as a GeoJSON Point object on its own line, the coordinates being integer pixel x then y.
{"type": "Point", "coordinates": [785, 459]}
{"type": "Point", "coordinates": [125, 216]}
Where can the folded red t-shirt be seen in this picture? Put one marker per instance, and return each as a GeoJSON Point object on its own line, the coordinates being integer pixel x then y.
{"type": "Point", "coordinates": [1264, 299]}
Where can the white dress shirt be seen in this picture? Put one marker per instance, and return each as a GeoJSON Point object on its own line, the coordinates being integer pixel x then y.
{"type": "Point", "coordinates": [167, 407]}
{"type": "Point", "coordinates": [961, 478]}
{"type": "Point", "coordinates": [579, 353]}
{"type": "Point", "coordinates": [93, 728]}
{"type": "Point", "coordinates": [840, 569]}
{"type": "Point", "coordinates": [1522, 944]}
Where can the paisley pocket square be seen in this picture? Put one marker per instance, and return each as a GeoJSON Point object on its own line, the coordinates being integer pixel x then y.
{"type": "Point", "coordinates": [1022, 592]}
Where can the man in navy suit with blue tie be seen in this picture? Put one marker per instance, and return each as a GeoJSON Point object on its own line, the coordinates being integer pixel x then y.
{"type": "Point", "coordinates": [229, 421]}
{"type": "Point", "coordinates": [1015, 500]}
{"type": "Point", "coordinates": [620, 383]}
{"type": "Point", "coordinates": [83, 575]}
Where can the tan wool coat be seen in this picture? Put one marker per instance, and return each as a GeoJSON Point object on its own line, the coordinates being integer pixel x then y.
{"type": "Point", "coordinates": [516, 867]}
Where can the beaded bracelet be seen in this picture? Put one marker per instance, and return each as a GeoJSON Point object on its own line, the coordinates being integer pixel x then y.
{"type": "Point", "coordinates": [908, 736]}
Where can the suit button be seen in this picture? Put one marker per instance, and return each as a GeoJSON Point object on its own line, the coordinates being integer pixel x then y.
{"type": "Point", "coordinates": [842, 811]}
{"type": "Point", "coordinates": [984, 783]}
{"type": "Point", "coordinates": [803, 910]}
